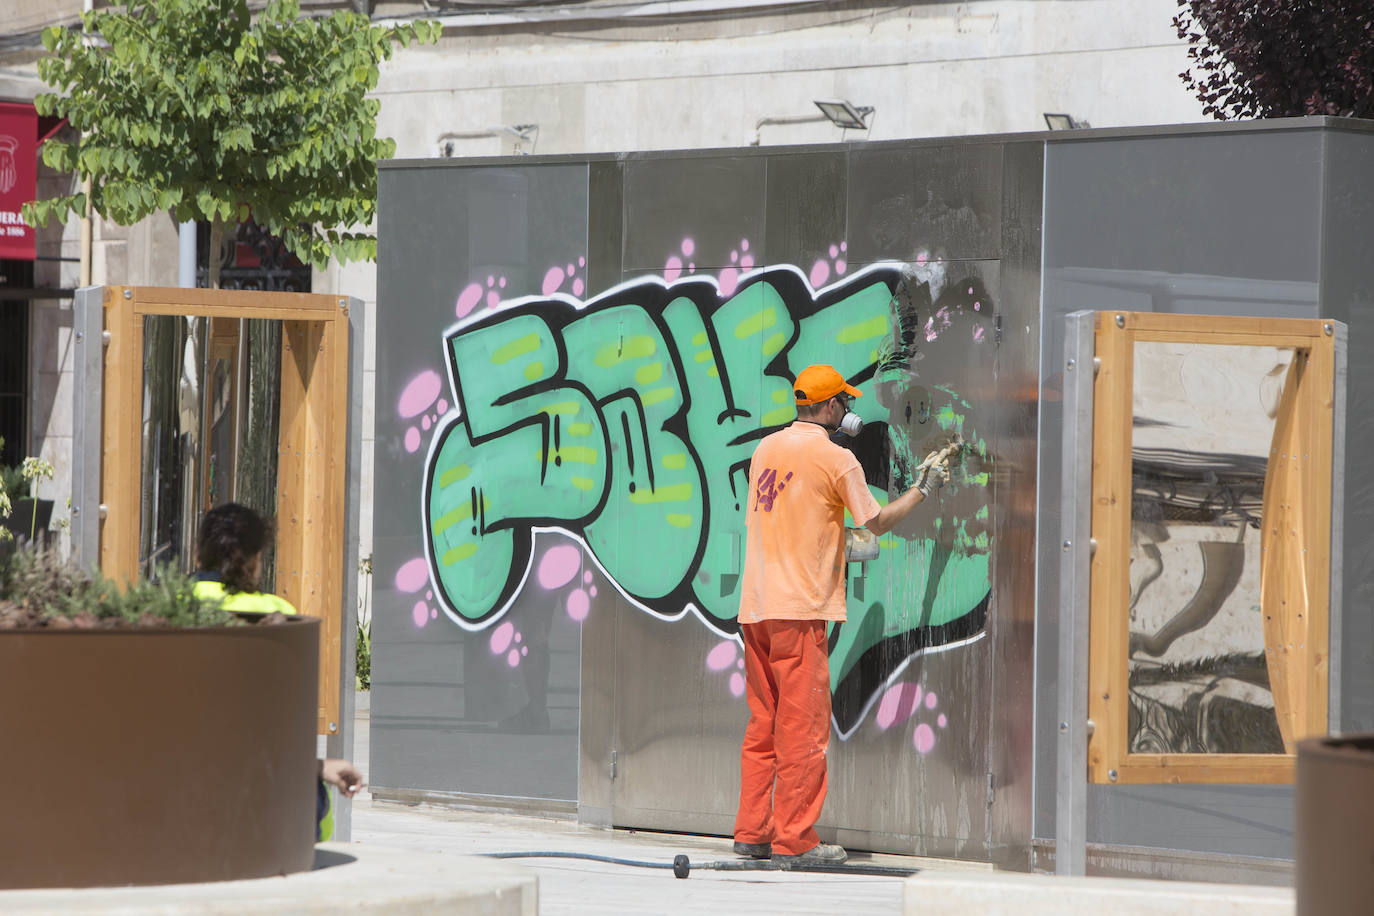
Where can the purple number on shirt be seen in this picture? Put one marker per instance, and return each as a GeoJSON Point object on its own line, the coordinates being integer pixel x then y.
{"type": "Point", "coordinates": [769, 487]}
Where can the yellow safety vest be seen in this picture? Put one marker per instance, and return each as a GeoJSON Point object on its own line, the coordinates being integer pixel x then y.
{"type": "Point", "coordinates": [241, 602]}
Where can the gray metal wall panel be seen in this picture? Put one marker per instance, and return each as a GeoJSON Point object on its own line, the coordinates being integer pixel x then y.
{"type": "Point", "coordinates": [662, 714]}
{"type": "Point", "coordinates": [1347, 295]}
{"type": "Point", "coordinates": [456, 710]}
{"type": "Point", "coordinates": [1017, 426]}
{"type": "Point", "coordinates": [1215, 223]}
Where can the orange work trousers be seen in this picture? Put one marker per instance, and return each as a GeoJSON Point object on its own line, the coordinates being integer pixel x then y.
{"type": "Point", "coordinates": [782, 760]}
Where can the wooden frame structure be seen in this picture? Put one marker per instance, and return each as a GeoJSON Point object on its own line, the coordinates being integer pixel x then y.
{"type": "Point", "coordinates": [1295, 544]}
{"type": "Point", "coordinates": [312, 445]}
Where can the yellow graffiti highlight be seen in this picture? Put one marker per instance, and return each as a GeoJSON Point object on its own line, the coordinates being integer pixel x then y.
{"type": "Point", "coordinates": [773, 344]}
{"type": "Point", "coordinates": [699, 338]}
{"type": "Point", "coordinates": [518, 347]}
{"type": "Point", "coordinates": [702, 356]}
{"type": "Point", "coordinates": [645, 375]}
{"type": "Point", "coordinates": [779, 396]}
{"type": "Point", "coordinates": [456, 515]}
{"type": "Point", "coordinates": [675, 462]}
{"type": "Point", "coordinates": [454, 474]}
{"type": "Point", "coordinates": [458, 554]}
{"type": "Point", "coordinates": [672, 494]}
{"type": "Point", "coordinates": [658, 394]}
{"type": "Point", "coordinates": [579, 429]}
{"type": "Point", "coordinates": [582, 483]}
{"type": "Point", "coordinates": [678, 520]}
{"type": "Point", "coordinates": [877, 326]}
{"type": "Point", "coordinates": [534, 371]}
{"type": "Point", "coordinates": [576, 454]}
{"type": "Point", "coordinates": [755, 324]}
{"type": "Point", "coordinates": [633, 347]}
{"type": "Point", "coordinates": [777, 415]}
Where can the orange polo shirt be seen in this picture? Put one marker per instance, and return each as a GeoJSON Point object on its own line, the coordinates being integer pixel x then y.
{"type": "Point", "coordinates": [800, 483]}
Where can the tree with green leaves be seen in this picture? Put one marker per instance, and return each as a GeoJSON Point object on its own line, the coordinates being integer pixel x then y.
{"type": "Point", "coordinates": [199, 108]}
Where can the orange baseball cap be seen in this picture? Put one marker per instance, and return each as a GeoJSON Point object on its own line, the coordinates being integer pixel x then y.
{"type": "Point", "coordinates": [819, 383]}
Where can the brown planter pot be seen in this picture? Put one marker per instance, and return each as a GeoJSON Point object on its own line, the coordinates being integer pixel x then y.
{"type": "Point", "coordinates": [1333, 807]}
{"type": "Point", "coordinates": [157, 756]}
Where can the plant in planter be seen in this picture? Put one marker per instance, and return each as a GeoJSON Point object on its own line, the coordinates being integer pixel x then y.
{"type": "Point", "coordinates": [25, 515]}
{"type": "Point", "coordinates": [156, 739]}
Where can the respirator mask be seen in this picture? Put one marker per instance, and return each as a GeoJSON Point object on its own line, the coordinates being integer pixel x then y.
{"type": "Point", "coordinates": [850, 423]}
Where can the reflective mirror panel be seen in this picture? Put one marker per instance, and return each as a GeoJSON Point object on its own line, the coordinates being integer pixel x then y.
{"type": "Point", "coordinates": [1203, 420]}
{"type": "Point", "coordinates": [211, 393]}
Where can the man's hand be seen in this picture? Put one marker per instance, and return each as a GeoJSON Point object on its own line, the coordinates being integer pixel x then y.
{"type": "Point", "coordinates": [343, 774]}
{"type": "Point", "coordinates": [933, 479]}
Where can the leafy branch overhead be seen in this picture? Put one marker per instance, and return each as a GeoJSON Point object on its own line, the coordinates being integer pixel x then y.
{"type": "Point", "coordinates": [198, 107]}
{"type": "Point", "coordinates": [1279, 58]}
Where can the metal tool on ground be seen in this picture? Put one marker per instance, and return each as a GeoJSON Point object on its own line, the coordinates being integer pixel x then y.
{"type": "Point", "coordinates": [682, 866]}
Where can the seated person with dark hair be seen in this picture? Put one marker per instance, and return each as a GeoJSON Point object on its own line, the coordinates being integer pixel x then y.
{"type": "Point", "coordinates": [232, 539]}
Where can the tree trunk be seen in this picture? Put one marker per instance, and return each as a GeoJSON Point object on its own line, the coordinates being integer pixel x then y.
{"type": "Point", "coordinates": [216, 239]}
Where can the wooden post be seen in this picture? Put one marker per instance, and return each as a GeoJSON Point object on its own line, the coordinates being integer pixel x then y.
{"type": "Point", "coordinates": [312, 444]}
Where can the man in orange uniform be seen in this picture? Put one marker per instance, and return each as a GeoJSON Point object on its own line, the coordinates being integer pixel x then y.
{"type": "Point", "coordinates": [793, 583]}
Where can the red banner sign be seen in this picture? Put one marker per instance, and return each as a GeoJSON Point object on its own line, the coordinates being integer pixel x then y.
{"type": "Point", "coordinates": [18, 177]}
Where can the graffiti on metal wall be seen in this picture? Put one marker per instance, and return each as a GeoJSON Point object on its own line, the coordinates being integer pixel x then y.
{"type": "Point", "coordinates": [627, 422]}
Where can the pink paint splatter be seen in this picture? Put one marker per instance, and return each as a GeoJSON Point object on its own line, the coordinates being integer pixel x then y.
{"type": "Point", "coordinates": [425, 423]}
{"type": "Point", "coordinates": [931, 700]}
{"type": "Point", "coordinates": [412, 575]}
{"type": "Point", "coordinates": [419, 394]}
{"type": "Point", "coordinates": [923, 738]}
{"type": "Point", "coordinates": [420, 613]}
{"type": "Point", "coordinates": [722, 656]}
{"type": "Point", "coordinates": [493, 299]}
{"type": "Point", "coordinates": [587, 577]}
{"type": "Point", "coordinates": [578, 286]}
{"type": "Point", "coordinates": [469, 297]}
{"type": "Point", "coordinates": [977, 334]}
{"type": "Point", "coordinates": [501, 637]}
{"type": "Point", "coordinates": [729, 281]}
{"type": "Point", "coordinates": [559, 566]}
{"type": "Point", "coordinates": [942, 721]}
{"type": "Point", "coordinates": [740, 664]}
{"type": "Point", "coordinates": [519, 637]}
{"type": "Point", "coordinates": [746, 262]}
{"type": "Point", "coordinates": [737, 684]}
{"type": "Point", "coordinates": [897, 705]}
{"type": "Point", "coordinates": [412, 440]}
{"type": "Point", "coordinates": [820, 272]}
{"type": "Point", "coordinates": [513, 658]}
{"type": "Point", "coordinates": [552, 280]}
{"type": "Point", "coordinates": [834, 251]}
{"type": "Point", "coordinates": [433, 613]}
{"type": "Point", "coordinates": [841, 265]}
{"type": "Point", "coordinates": [578, 605]}
{"type": "Point", "coordinates": [442, 407]}
{"type": "Point", "coordinates": [688, 247]}
{"type": "Point", "coordinates": [592, 591]}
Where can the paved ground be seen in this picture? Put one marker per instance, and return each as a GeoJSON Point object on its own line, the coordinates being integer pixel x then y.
{"type": "Point", "coordinates": [584, 887]}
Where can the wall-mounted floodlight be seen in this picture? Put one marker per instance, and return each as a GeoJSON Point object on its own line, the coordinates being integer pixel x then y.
{"type": "Point", "coordinates": [842, 114]}
{"type": "Point", "coordinates": [1060, 121]}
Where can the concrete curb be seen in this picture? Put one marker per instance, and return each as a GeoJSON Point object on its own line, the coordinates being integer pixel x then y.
{"type": "Point", "coordinates": [347, 878]}
{"type": "Point", "coordinates": [936, 894]}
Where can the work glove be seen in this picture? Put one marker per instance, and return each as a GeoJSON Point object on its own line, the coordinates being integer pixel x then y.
{"type": "Point", "coordinates": [932, 479]}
